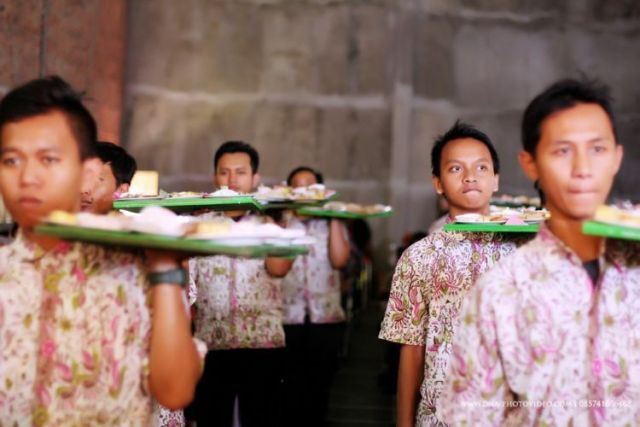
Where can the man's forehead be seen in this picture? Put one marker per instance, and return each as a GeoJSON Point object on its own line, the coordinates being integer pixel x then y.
{"type": "Point", "coordinates": [235, 160]}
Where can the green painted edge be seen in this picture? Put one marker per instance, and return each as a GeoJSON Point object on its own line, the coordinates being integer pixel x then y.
{"type": "Point", "coordinates": [494, 228]}
{"type": "Point", "coordinates": [154, 241]}
{"type": "Point", "coordinates": [595, 228]}
{"type": "Point", "coordinates": [338, 214]}
{"type": "Point", "coordinates": [186, 204]}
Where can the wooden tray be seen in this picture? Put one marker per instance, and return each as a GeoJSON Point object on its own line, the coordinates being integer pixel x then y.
{"type": "Point", "coordinates": [156, 241]}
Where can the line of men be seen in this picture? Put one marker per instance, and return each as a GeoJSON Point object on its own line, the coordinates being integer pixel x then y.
{"type": "Point", "coordinates": [494, 330]}
{"type": "Point", "coordinates": [243, 307]}
{"type": "Point", "coordinates": [500, 329]}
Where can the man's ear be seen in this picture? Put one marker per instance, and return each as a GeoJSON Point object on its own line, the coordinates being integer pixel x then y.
{"type": "Point", "coordinates": [497, 183]}
{"type": "Point", "coordinates": [256, 180]}
{"type": "Point", "coordinates": [437, 184]}
{"type": "Point", "coordinates": [528, 165]}
{"type": "Point", "coordinates": [122, 188]}
{"type": "Point", "coordinates": [619, 156]}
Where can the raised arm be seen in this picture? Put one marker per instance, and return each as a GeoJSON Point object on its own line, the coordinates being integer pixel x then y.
{"type": "Point", "coordinates": [174, 363]}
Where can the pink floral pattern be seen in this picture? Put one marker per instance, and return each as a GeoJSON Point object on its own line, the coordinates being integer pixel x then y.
{"type": "Point", "coordinates": [539, 344]}
{"type": "Point", "coordinates": [74, 336]}
{"type": "Point", "coordinates": [313, 286]}
{"type": "Point", "coordinates": [238, 304]}
{"type": "Point", "coordinates": [431, 279]}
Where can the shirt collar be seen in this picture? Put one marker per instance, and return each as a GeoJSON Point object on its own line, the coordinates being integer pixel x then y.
{"type": "Point", "coordinates": [546, 235]}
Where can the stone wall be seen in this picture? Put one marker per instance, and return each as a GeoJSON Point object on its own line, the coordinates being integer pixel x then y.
{"type": "Point", "coordinates": [359, 88]}
{"type": "Point", "coordinates": [81, 40]}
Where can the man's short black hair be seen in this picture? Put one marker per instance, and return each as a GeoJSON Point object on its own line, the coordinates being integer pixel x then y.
{"type": "Point", "coordinates": [562, 95]}
{"type": "Point", "coordinates": [47, 94]}
{"type": "Point", "coordinates": [122, 163]}
{"type": "Point", "coordinates": [461, 130]}
{"type": "Point", "coordinates": [318, 175]}
{"type": "Point", "coordinates": [231, 147]}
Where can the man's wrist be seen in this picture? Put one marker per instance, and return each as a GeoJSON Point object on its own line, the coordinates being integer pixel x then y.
{"type": "Point", "coordinates": [174, 276]}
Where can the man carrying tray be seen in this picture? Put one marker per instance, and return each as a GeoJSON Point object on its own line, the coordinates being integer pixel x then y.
{"type": "Point", "coordinates": [85, 338]}
{"type": "Point", "coordinates": [434, 275]}
{"type": "Point", "coordinates": [551, 335]}
{"type": "Point", "coordinates": [239, 316]}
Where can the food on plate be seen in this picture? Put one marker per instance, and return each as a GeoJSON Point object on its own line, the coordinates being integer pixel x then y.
{"type": "Point", "coordinates": [121, 196]}
{"type": "Point", "coordinates": [510, 216]}
{"type": "Point", "coordinates": [628, 216]}
{"type": "Point", "coordinates": [110, 221]}
{"type": "Point", "coordinates": [158, 220]}
{"type": "Point", "coordinates": [184, 194]}
{"type": "Point", "coordinates": [224, 191]}
{"type": "Point", "coordinates": [516, 200]}
{"type": "Point", "coordinates": [284, 193]}
{"type": "Point", "coordinates": [213, 227]}
{"type": "Point", "coordinates": [356, 208]}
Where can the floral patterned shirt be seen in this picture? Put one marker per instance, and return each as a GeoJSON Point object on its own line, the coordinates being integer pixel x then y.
{"type": "Point", "coordinates": [238, 304]}
{"type": "Point", "coordinates": [431, 279]}
{"type": "Point", "coordinates": [313, 286]}
{"type": "Point", "coordinates": [540, 345]}
{"type": "Point", "coordinates": [74, 336]}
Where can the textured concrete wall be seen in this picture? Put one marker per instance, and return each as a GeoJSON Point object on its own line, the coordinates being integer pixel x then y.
{"type": "Point", "coordinates": [81, 40]}
{"type": "Point", "coordinates": [359, 89]}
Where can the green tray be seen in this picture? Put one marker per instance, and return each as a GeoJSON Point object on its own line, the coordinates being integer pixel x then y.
{"type": "Point", "coordinates": [314, 211]}
{"type": "Point", "coordinates": [610, 230]}
{"type": "Point", "coordinates": [494, 228]}
{"type": "Point", "coordinates": [156, 241]}
{"type": "Point", "coordinates": [190, 204]}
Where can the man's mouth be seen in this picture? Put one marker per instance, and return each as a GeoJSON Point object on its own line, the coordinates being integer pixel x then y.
{"type": "Point", "coordinates": [29, 202]}
{"type": "Point", "coordinates": [471, 190]}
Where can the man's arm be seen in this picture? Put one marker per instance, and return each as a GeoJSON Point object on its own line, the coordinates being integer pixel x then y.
{"type": "Point", "coordinates": [174, 363]}
{"type": "Point", "coordinates": [405, 323]}
{"type": "Point", "coordinates": [277, 267]}
{"type": "Point", "coordinates": [410, 376]}
{"type": "Point", "coordinates": [339, 247]}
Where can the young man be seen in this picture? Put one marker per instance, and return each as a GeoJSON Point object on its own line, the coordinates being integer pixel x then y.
{"type": "Point", "coordinates": [78, 343]}
{"type": "Point", "coordinates": [434, 275]}
{"type": "Point", "coordinates": [313, 315]}
{"type": "Point", "coordinates": [551, 335]}
{"type": "Point", "coordinates": [239, 316]}
{"type": "Point", "coordinates": [116, 170]}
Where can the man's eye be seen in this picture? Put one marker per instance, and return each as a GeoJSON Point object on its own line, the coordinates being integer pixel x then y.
{"type": "Point", "coordinates": [599, 149]}
{"type": "Point", "coordinates": [9, 161]}
{"type": "Point", "coordinates": [454, 169]}
{"type": "Point", "coordinates": [49, 160]}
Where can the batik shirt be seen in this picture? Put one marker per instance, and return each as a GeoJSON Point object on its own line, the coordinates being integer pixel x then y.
{"type": "Point", "coordinates": [238, 304]}
{"type": "Point", "coordinates": [540, 344]}
{"type": "Point", "coordinates": [312, 287]}
{"type": "Point", "coordinates": [431, 279]}
{"type": "Point", "coordinates": [74, 336]}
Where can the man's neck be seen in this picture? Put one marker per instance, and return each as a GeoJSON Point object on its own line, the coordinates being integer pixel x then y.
{"type": "Point", "coordinates": [44, 241]}
{"type": "Point", "coordinates": [569, 231]}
